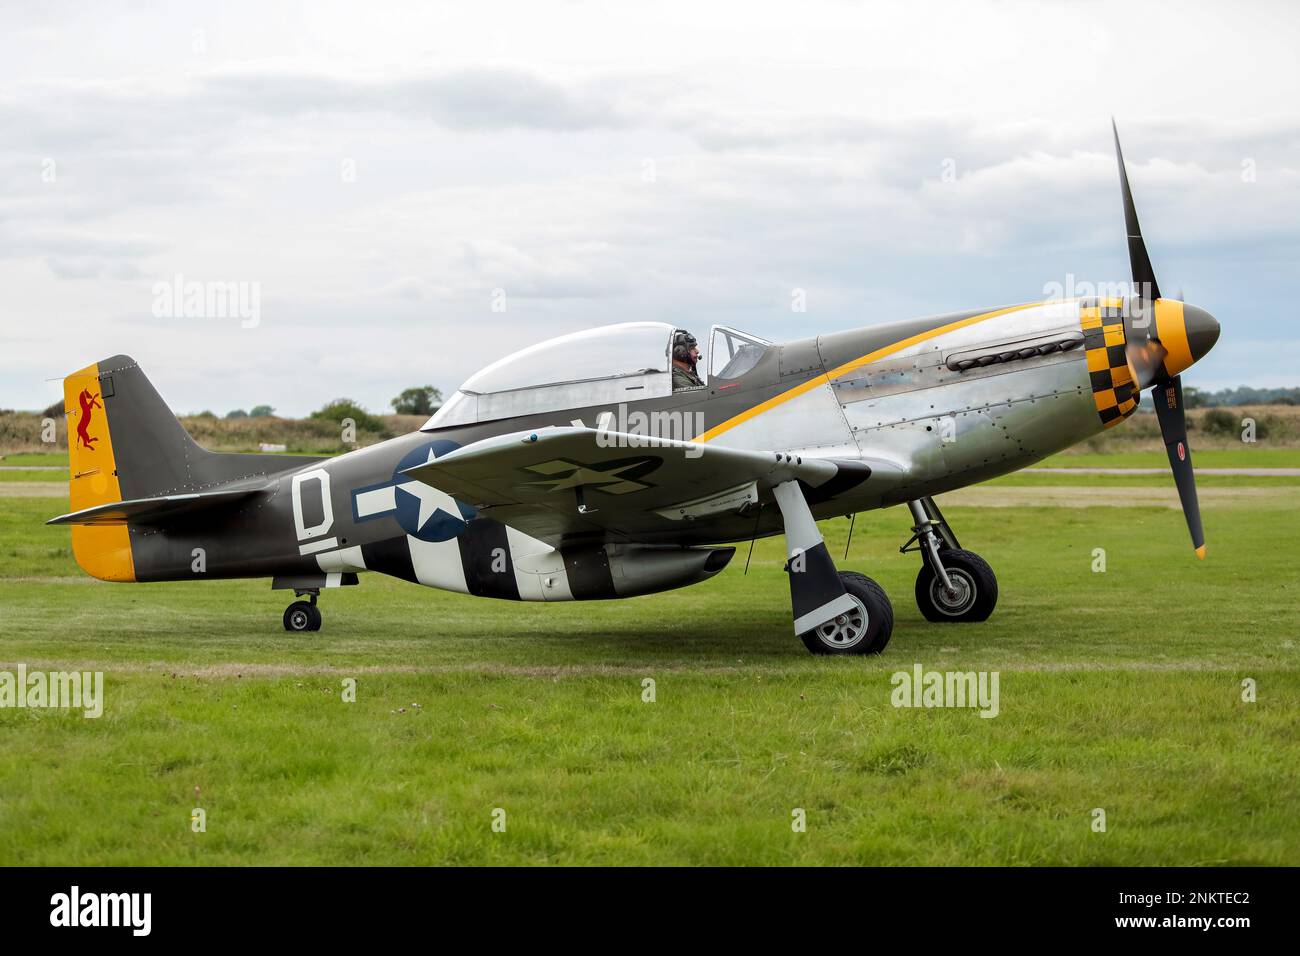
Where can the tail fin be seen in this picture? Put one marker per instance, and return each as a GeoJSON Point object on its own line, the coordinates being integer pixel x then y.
{"type": "Point", "coordinates": [124, 444]}
{"type": "Point", "coordinates": [104, 552]}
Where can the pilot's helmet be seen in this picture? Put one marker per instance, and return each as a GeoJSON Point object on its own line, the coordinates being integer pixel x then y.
{"type": "Point", "coordinates": [683, 342]}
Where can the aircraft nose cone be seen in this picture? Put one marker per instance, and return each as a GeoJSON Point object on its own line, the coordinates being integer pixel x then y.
{"type": "Point", "coordinates": [1202, 331]}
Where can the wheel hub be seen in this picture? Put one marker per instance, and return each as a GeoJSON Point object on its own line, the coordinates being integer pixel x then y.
{"type": "Point", "coordinates": [845, 630]}
{"type": "Point", "coordinates": [959, 598]}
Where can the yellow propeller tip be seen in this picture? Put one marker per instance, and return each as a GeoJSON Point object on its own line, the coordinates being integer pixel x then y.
{"type": "Point", "coordinates": [1200, 552]}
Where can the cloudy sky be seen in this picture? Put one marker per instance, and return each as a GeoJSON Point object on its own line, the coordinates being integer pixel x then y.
{"type": "Point", "coordinates": [376, 172]}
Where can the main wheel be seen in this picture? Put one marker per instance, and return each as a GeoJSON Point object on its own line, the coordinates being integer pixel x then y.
{"type": "Point", "coordinates": [863, 630]}
{"type": "Point", "coordinates": [974, 589]}
{"type": "Point", "coordinates": [302, 616]}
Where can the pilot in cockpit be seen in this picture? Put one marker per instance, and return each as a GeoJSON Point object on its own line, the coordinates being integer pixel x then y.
{"type": "Point", "coordinates": [686, 353]}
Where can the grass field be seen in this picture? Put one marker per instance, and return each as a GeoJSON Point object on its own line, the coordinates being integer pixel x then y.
{"type": "Point", "coordinates": [1119, 690]}
{"type": "Point", "coordinates": [1239, 456]}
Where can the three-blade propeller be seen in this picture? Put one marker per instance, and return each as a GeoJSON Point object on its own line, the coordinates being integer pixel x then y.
{"type": "Point", "coordinates": [1147, 364]}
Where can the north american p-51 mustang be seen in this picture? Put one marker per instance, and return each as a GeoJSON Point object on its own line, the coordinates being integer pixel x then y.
{"type": "Point", "coordinates": [607, 463]}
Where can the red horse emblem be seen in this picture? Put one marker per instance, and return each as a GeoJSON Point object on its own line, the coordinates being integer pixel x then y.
{"type": "Point", "coordinates": [88, 402]}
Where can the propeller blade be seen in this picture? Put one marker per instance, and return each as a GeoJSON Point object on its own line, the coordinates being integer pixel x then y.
{"type": "Point", "coordinates": [1144, 276]}
{"type": "Point", "coordinates": [1168, 399]}
{"type": "Point", "coordinates": [1145, 358]}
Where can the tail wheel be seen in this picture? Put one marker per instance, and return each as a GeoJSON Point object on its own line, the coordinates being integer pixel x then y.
{"type": "Point", "coordinates": [974, 591]}
{"type": "Point", "coordinates": [301, 616]}
{"type": "Point", "coordinates": [865, 629]}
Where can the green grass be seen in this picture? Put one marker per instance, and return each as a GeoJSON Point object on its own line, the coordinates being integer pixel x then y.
{"type": "Point", "coordinates": [42, 475]}
{"type": "Point", "coordinates": [1258, 455]}
{"type": "Point", "coordinates": [57, 460]}
{"type": "Point", "coordinates": [1029, 478]}
{"type": "Point", "coordinates": [1119, 690]}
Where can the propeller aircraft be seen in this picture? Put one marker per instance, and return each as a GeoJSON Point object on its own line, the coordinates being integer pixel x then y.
{"type": "Point", "coordinates": [583, 468]}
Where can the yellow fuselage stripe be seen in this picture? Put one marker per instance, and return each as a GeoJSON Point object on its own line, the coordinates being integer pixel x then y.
{"type": "Point", "coordinates": [827, 377]}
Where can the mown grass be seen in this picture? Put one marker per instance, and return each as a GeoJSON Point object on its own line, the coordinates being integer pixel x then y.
{"type": "Point", "coordinates": [1029, 478]}
{"type": "Point", "coordinates": [15, 474]}
{"type": "Point", "coordinates": [1119, 690]}
{"type": "Point", "coordinates": [55, 460]}
{"type": "Point", "coordinates": [709, 773]}
{"type": "Point", "coordinates": [1258, 455]}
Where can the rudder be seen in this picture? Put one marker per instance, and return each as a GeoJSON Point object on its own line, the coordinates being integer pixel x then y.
{"type": "Point", "coordinates": [104, 552]}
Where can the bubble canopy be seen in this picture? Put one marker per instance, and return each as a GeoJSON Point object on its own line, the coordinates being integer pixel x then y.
{"type": "Point", "coordinates": [624, 362]}
{"type": "Point", "coordinates": [606, 352]}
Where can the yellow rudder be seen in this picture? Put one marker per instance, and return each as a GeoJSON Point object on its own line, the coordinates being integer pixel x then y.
{"type": "Point", "coordinates": [103, 551]}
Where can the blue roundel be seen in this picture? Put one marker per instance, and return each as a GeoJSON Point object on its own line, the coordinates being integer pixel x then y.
{"type": "Point", "coordinates": [411, 499]}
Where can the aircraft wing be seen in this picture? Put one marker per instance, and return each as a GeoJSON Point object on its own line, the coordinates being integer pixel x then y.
{"type": "Point", "coordinates": [560, 482]}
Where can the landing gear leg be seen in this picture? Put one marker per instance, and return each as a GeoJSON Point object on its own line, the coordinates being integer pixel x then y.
{"type": "Point", "coordinates": [835, 612]}
{"type": "Point", "coordinates": [302, 615]}
{"type": "Point", "coordinates": [953, 585]}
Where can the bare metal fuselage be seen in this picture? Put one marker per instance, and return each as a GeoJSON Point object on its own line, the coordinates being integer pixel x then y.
{"type": "Point", "coordinates": [891, 396]}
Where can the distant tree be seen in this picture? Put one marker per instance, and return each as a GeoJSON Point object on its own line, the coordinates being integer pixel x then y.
{"type": "Point", "coordinates": [237, 413]}
{"type": "Point", "coordinates": [206, 413]}
{"type": "Point", "coordinates": [422, 400]}
{"type": "Point", "coordinates": [1220, 421]}
{"type": "Point", "coordinates": [1247, 395]}
{"type": "Point", "coordinates": [261, 411]}
{"type": "Point", "coordinates": [342, 408]}
{"type": "Point", "coordinates": [1194, 398]}
{"type": "Point", "coordinates": [54, 411]}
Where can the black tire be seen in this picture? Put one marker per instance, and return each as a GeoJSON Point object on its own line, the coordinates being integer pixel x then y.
{"type": "Point", "coordinates": [873, 605]}
{"type": "Point", "coordinates": [977, 589]}
{"type": "Point", "coordinates": [302, 616]}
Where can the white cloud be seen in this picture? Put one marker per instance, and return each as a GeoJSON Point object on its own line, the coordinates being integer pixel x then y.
{"type": "Point", "coordinates": [673, 161]}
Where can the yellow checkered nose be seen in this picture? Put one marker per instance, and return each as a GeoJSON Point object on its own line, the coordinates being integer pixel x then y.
{"type": "Point", "coordinates": [1186, 332]}
{"type": "Point", "coordinates": [1114, 390]}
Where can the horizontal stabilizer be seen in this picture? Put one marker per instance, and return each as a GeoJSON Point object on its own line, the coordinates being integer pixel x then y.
{"type": "Point", "coordinates": [152, 510]}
